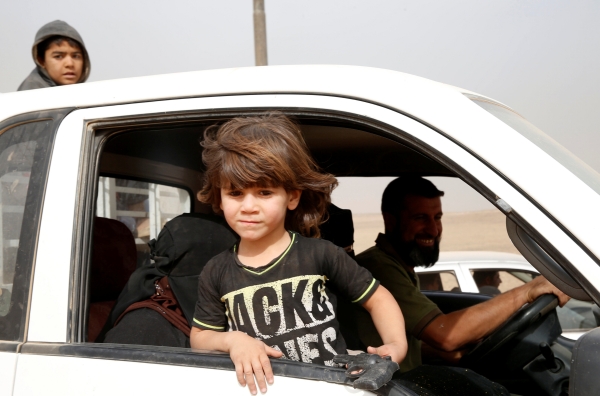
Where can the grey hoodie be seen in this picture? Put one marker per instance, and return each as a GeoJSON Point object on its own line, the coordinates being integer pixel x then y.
{"type": "Point", "coordinates": [39, 78]}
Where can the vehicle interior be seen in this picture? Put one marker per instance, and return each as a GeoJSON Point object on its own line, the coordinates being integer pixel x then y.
{"type": "Point", "coordinates": [147, 171]}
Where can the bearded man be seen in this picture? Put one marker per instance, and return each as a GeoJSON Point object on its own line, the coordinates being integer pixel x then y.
{"type": "Point", "coordinates": [412, 214]}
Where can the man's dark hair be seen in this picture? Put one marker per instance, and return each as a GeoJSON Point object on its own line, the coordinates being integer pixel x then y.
{"type": "Point", "coordinates": [44, 45]}
{"type": "Point", "coordinates": [393, 199]}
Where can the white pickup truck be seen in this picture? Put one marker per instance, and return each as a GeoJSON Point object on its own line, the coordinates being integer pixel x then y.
{"type": "Point", "coordinates": [127, 150]}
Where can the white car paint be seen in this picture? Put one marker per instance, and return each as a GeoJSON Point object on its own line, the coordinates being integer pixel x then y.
{"type": "Point", "coordinates": [8, 365]}
{"type": "Point", "coordinates": [77, 376]}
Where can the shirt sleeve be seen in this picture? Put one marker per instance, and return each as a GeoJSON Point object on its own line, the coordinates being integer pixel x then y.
{"type": "Point", "coordinates": [348, 277]}
{"type": "Point", "coordinates": [210, 310]}
{"type": "Point", "coordinates": [416, 308]}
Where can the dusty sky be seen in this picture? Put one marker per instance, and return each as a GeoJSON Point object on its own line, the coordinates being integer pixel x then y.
{"type": "Point", "coordinates": [539, 57]}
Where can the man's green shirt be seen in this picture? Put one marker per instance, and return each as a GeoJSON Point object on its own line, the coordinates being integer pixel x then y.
{"type": "Point", "coordinates": [418, 311]}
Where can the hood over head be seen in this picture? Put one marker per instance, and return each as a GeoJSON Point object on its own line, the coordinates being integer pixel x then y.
{"type": "Point", "coordinates": [39, 78]}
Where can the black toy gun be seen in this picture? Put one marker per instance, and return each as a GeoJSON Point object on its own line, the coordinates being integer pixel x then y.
{"type": "Point", "coordinates": [371, 371]}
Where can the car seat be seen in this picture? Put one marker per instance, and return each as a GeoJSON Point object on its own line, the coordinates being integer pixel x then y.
{"type": "Point", "coordinates": [114, 258]}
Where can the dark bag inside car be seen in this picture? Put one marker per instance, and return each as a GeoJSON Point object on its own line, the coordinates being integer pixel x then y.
{"type": "Point", "coordinates": [179, 253]}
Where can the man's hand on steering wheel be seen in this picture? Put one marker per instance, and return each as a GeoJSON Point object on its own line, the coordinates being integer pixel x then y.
{"type": "Point", "coordinates": [540, 295]}
{"type": "Point", "coordinates": [455, 330]}
{"type": "Point", "coordinates": [541, 285]}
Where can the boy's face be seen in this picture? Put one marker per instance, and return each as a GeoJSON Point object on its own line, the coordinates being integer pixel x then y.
{"type": "Point", "coordinates": [258, 213]}
{"type": "Point", "coordinates": [63, 63]}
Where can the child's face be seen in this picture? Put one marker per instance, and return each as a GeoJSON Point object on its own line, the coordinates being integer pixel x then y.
{"type": "Point", "coordinates": [63, 63]}
{"type": "Point", "coordinates": [255, 213]}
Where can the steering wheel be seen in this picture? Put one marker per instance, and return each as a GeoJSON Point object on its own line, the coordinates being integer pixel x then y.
{"type": "Point", "coordinates": [518, 322]}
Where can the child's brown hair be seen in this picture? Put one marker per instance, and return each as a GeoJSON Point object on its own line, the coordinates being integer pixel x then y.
{"type": "Point", "coordinates": [266, 151]}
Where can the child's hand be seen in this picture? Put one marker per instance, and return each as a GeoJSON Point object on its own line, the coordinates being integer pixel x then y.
{"type": "Point", "coordinates": [395, 351]}
{"type": "Point", "coordinates": [251, 359]}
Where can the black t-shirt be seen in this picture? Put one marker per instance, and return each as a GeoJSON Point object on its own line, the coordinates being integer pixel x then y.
{"type": "Point", "coordinates": [284, 303]}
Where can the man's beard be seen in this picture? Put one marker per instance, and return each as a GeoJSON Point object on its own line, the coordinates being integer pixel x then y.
{"type": "Point", "coordinates": [419, 256]}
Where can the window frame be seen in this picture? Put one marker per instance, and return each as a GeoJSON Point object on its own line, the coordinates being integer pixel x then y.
{"type": "Point", "coordinates": [121, 116]}
{"type": "Point", "coordinates": [109, 128]}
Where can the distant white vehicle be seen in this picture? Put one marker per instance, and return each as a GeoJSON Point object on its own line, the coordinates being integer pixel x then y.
{"type": "Point", "coordinates": [454, 272]}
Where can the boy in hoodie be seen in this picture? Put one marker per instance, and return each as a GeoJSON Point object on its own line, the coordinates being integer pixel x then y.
{"type": "Point", "coordinates": [60, 57]}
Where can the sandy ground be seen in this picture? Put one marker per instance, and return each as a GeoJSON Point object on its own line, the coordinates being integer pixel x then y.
{"type": "Point", "coordinates": [483, 230]}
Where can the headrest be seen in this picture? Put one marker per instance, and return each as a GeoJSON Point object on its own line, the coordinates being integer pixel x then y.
{"type": "Point", "coordinates": [114, 258]}
{"type": "Point", "coordinates": [339, 227]}
{"type": "Point", "coordinates": [187, 242]}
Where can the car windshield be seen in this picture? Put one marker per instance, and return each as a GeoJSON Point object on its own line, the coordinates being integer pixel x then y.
{"type": "Point", "coordinates": [540, 139]}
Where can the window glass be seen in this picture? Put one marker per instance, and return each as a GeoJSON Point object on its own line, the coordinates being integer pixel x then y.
{"type": "Point", "coordinates": [16, 163]}
{"type": "Point", "coordinates": [511, 279]}
{"type": "Point", "coordinates": [540, 139]}
{"type": "Point", "coordinates": [440, 281]}
{"type": "Point", "coordinates": [24, 155]}
{"type": "Point", "coordinates": [577, 315]}
{"type": "Point", "coordinates": [142, 206]}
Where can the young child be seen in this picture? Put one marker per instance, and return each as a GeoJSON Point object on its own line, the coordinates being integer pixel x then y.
{"type": "Point", "coordinates": [266, 295]}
